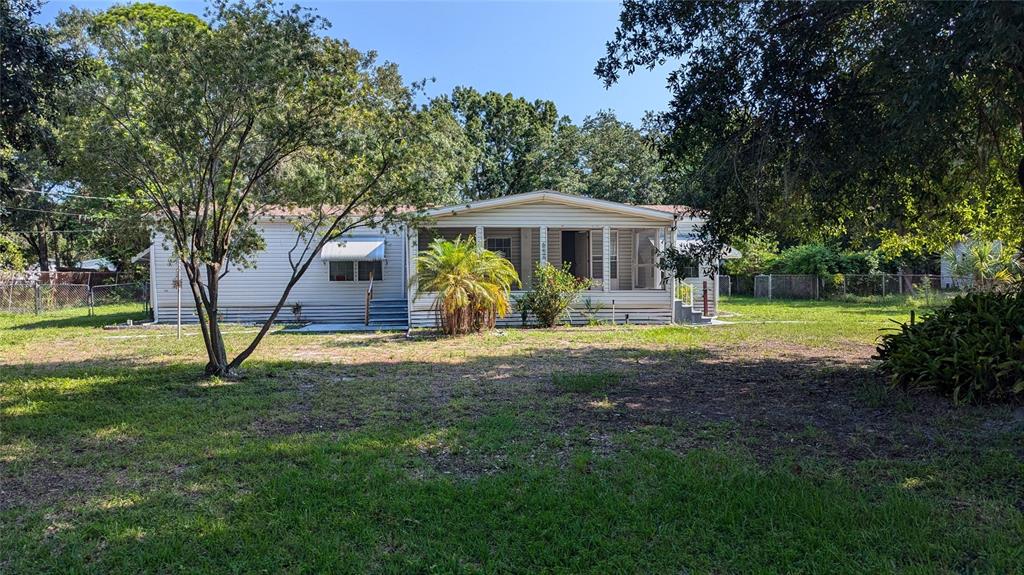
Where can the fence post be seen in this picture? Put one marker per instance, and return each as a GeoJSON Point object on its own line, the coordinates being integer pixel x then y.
{"type": "Point", "coordinates": [35, 289]}
{"type": "Point", "coordinates": [883, 285]}
{"type": "Point", "coordinates": [91, 301]}
{"type": "Point", "coordinates": [769, 287]}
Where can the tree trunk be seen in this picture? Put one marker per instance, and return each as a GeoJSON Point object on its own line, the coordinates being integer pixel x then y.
{"type": "Point", "coordinates": [218, 365]}
{"type": "Point", "coordinates": [42, 252]}
{"type": "Point", "coordinates": [209, 323]}
{"type": "Point", "coordinates": [56, 252]}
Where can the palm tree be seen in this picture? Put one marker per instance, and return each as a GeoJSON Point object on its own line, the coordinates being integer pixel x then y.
{"type": "Point", "coordinates": [984, 262]}
{"type": "Point", "coordinates": [473, 286]}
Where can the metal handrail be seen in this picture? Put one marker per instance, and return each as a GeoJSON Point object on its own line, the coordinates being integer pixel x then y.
{"type": "Point", "coordinates": [369, 297]}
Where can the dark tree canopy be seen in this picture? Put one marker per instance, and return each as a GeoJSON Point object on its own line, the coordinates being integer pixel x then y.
{"type": "Point", "coordinates": [899, 121]}
{"type": "Point", "coordinates": [34, 72]}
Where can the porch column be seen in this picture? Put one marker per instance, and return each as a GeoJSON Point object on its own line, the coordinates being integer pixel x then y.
{"type": "Point", "coordinates": [543, 245]}
{"type": "Point", "coordinates": [412, 252]}
{"type": "Point", "coordinates": [480, 238]}
{"type": "Point", "coordinates": [525, 261]}
{"type": "Point", "coordinates": [606, 258]}
{"type": "Point", "coordinates": [662, 233]}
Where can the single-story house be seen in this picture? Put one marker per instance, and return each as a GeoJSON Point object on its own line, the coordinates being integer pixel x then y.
{"type": "Point", "coordinates": [614, 244]}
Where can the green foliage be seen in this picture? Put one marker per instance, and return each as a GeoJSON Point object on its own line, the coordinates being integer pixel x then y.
{"type": "Point", "coordinates": [11, 257]}
{"type": "Point", "coordinates": [583, 381]}
{"type": "Point", "coordinates": [618, 162]}
{"type": "Point", "coordinates": [821, 119]}
{"type": "Point", "coordinates": [517, 146]}
{"type": "Point", "coordinates": [821, 260]}
{"type": "Point", "coordinates": [35, 69]}
{"type": "Point", "coordinates": [472, 286]}
{"type": "Point", "coordinates": [553, 292]}
{"type": "Point", "coordinates": [677, 261]}
{"type": "Point", "coordinates": [982, 262]}
{"type": "Point", "coordinates": [759, 253]}
{"type": "Point", "coordinates": [592, 310]}
{"type": "Point", "coordinates": [208, 123]}
{"type": "Point", "coordinates": [808, 259]}
{"type": "Point", "coordinates": [865, 262]}
{"type": "Point", "coordinates": [972, 350]}
{"type": "Point", "coordinates": [513, 142]}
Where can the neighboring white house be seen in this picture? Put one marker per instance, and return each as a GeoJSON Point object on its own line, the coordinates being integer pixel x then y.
{"type": "Point", "coordinates": [945, 267]}
{"type": "Point", "coordinates": [614, 244]}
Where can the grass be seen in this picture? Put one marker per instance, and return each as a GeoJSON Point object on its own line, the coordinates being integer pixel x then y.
{"type": "Point", "coordinates": [584, 382]}
{"type": "Point", "coordinates": [767, 445]}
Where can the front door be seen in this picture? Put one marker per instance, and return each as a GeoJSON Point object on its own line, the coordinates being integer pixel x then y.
{"type": "Point", "coordinates": [569, 251]}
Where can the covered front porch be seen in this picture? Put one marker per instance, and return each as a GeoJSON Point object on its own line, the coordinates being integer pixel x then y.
{"type": "Point", "coordinates": [613, 245]}
{"type": "Point", "coordinates": [614, 258]}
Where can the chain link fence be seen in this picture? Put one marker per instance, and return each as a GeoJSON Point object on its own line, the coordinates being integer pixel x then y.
{"type": "Point", "coordinates": [30, 296]}
{"type": "Point", "coordinates": [927, 287]}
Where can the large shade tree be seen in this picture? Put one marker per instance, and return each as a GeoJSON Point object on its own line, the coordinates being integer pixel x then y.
{"type": "Point", "coordinates": [618, 162]}
{"type": "Point", "coordinates": [896, 120]}
{"type": "Point", "coordinates": [35, 69]}
{"type": "Point", "coordinates": [212, 123]}
{"type": "Point", "coordinates": [516, 146]}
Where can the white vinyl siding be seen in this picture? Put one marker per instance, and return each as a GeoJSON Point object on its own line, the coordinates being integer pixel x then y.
{"type": "Point", "coordinates": [248, 295]}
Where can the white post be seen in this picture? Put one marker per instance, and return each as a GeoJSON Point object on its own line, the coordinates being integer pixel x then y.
{"type": "Point", "coordinates": [177, 283]}
{"type": "Point", "coordinates": [658, 274]}
{"type": "Point", "coordinates": [606, 258]}
{"type": "Point", "coordinates": [413, 250]}
{"type": "Point", "coordinates": [525, 261]}
{"type": "Point", "coordinates": [480, 237]}
{"type": "Point", "coordinates": [543, 245]}
{"type": "Point", "coordinates": [769, 287]}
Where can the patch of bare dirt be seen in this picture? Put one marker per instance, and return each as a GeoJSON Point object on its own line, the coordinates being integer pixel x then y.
{"type": "Point", "coordinates": [777, 398]}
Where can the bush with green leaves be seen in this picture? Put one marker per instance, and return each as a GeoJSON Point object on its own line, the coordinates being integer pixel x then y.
{"type": "Point", "coordinates": [11, 258]}
{"type": "Point", "coordinates": [553, 292]}
{"type": "Point", "coordinates": [865, 262]}
{"type": "Point", "coordinates": [808, 259]}
{"type": "Point", "coordinates": [971, 350]}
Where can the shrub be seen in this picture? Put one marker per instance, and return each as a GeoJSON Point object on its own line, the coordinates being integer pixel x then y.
{"type": "Point", "coordinates": [10, 254]}
{"type": "Point", "coordinates": [473, 286]}
{"type": "Point", "coordinates": [758, 256]}
{"type": "Point", "coordinates": [971, 350]}
{"type": "Point", "coordinates": [808, 259]}
{"type": "Point", "coordinates": [592, 311]}
{"type": "Point", "coordinates": [858, 263]}
{"type": "Point", "coordinates": [554, 290]}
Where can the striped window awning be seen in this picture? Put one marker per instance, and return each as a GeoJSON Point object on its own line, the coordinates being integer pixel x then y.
{"type": "Point", "coordinates": [353, 250]}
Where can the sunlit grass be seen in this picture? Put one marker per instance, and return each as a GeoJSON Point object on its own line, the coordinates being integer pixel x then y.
{"type": "Point", "coordinates": [500, 452]}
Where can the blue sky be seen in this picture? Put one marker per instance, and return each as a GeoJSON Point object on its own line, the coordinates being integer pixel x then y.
{"type": "Point", "coordinates": [532, 49]}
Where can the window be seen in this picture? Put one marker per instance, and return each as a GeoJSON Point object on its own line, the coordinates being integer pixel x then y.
{"type": "Point", "coordinates": [597, 254]}
{"type": "Point", "coordinates": [646, 259]}
{"type": "Point", "coordinates": [615, 256]}
{"type": "Point", "coordinates": [365, 268]}
{"type": "Point", "coordinates": [502, 246]}
{"type": "Point", "coordinates": [342, 271]}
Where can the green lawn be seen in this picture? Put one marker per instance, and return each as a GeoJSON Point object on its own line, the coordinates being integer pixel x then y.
{"type": "Point", "coordinates": [767, 445]}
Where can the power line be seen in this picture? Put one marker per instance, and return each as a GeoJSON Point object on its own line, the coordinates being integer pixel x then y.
{"type": "Point", "coordinates": [50, 212]}
{"type": "Point", "coordinates": [70, 195]}
{"type": "Point", "coordinates": [52, 231]}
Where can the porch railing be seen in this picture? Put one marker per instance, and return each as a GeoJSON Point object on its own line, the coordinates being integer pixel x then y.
{"type": "Point", "coordinates": [369, 298]}
{"type": "Point", "coordinates": [684, 293]}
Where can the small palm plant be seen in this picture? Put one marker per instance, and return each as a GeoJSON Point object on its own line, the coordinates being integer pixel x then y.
{"type": "Point", "coordinates": [473, 286]}
{"type": "Point", "coordinates": [985, 263]}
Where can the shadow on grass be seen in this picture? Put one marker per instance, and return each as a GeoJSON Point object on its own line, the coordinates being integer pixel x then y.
{"type": "Point", "coordinates": [474, 465]}
{"type": "Point", "coordinates": [60, 320]}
